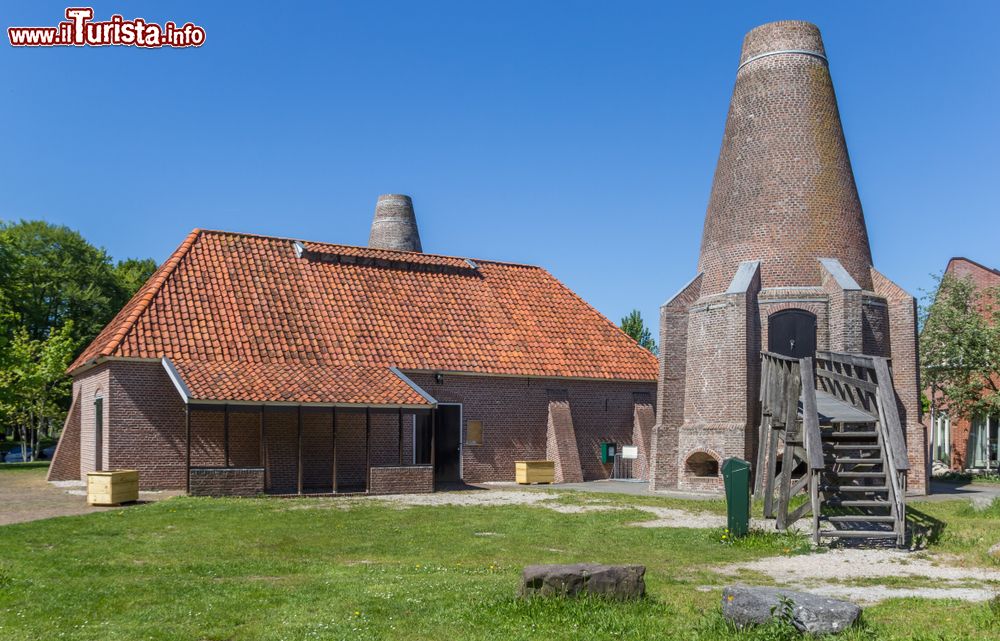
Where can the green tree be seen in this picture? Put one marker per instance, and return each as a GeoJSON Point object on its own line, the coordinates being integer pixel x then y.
{"type": "Point", "coordinates": [33, 381]}
{"type": "Point", "coordinates": [960, 347]}
{"type": "Point", "coordinates": [56, 290]}
{"type": "Point", "coordinates": [131, 274]}
{"type": "Point", "coordinates": [636, 328]}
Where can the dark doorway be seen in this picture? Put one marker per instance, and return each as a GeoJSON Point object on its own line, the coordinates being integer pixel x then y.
{"type": "Point", "coordinates": [792, 332]}
{"type": "Point", "coordinates": [447, 444]}
{"type": "Point", "coordinates": [98, 434]}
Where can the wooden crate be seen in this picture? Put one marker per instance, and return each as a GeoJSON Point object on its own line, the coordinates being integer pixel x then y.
{"type": "Point", "coordinates": [528, 472]}
{"type": "Point", "coordinates": [112, 488]}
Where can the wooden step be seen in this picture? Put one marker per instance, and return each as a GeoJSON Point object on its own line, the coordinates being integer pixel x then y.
{"type": "Point", "coordinates": [838, 502]}
{"type": "Point", "coordinates": [858, 475]}
{"type": "Point", "coordinates": [854, 488]}
{"type": "Point", "coordinates": [861, 518]}
{"type": "Point", "coordinates": [856, 461]}
{"type": "Point", "coordinates": [845, 435]}
{"type": "Point", "coordinates": [859, 534]}
{"type": "Point", "coordinates": [851, 446]}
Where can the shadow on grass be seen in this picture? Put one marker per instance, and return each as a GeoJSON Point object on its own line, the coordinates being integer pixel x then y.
{"type": "Point", "coordinates": [922, 529]}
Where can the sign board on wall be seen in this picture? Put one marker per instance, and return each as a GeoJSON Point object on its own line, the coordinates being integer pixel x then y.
{"type": "Point", "coordinates": [630, 451]}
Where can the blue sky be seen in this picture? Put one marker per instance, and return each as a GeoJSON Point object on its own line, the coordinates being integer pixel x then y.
{"type": "Point", "coordinates": [580, 136]}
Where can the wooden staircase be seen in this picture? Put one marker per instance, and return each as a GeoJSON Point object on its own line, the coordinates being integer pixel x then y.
{"type": "Point", "coordinates": [836, 429]}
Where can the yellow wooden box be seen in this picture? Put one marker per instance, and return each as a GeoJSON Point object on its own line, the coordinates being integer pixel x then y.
{"type": "Point", "coordinates": [528, 472]}
{"type": "Point", "coordinates": [112, 488]}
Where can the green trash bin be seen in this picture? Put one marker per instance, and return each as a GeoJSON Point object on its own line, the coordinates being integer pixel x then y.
{"type": "Point", "coordinates": [736, 477]}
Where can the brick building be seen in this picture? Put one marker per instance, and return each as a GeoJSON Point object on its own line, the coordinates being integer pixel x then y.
{"type": "Point", "coordinates": [958, 443]}
{"type": "Point", "coordinates": [252, 364]}
{"type": "Point", "coordinates": [785, 266]}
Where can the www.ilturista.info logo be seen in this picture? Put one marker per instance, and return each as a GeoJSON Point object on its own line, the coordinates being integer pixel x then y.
{"type": "Point", "coordinates": [79, 30]}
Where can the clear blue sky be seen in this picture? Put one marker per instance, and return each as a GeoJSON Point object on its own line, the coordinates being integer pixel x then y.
{"type": "Point", "coordinates": [578, 136]}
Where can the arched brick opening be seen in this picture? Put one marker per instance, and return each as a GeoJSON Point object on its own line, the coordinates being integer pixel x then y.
{"type": "Point", "coordinates": [702, 465]}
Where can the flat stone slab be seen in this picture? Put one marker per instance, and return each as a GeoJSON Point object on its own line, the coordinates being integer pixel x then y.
{"type": "Point", "coordinates": [611, 581]}
{"type": "Point", "coordinates": [745, 605]}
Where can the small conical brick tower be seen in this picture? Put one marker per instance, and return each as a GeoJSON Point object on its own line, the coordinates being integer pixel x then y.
{"type": "Point", "coordinates": [784, 253]}
{"type": "Point", "coordinates": [395, 225]}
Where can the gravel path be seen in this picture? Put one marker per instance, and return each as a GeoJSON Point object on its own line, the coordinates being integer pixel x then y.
{"type": "Point", "coordinates": [830, 574]}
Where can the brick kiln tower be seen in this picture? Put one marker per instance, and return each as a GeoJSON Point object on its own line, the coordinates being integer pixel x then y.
{"type": "Point", "coordinates": [395, 225]}
{"type": "Point", "coordinates": [785, 265]}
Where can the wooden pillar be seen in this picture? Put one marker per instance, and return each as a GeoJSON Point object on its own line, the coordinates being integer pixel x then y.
{"type": "Point", "coordinates": [263, 446]}
{"type": "Point", "coordinates": [225, 434]}
{"type": "Point", "coordinates": [187, 458]}
{"type": "Point", "coordinates": [433, 434]}
{"type": "Point", "coordinates": [368, 454]}
{"type": "Point", "coordinates": [400, 436]}
{"type": "Point", "coordinates": [333, 419]}
{"type": "Point", "coordinates": [298, 466]}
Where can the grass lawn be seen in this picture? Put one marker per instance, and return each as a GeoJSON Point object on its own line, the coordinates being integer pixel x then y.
{"type": "Point", "coordinates": [224, 569]}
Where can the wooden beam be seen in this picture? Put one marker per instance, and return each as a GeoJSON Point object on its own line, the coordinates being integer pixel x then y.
{"type": "Point", "coordinates": [187, 458]}
{"type": "Point", "coordinates": [333, 419]}
{"type": "Point", "coordinates": [368, 455]}
{"type": "Point", "coordinates": [433, 435]}
{"type": "Point", "coordinates": [298, 466]}
{"type": "Point", "coordinates": [263, 446]}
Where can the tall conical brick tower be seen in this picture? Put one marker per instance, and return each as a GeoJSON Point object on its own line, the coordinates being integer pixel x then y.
{"type": "Point", "coordinates": [395, 225]}
{"type": "Point", "coordinates": [785, 265]}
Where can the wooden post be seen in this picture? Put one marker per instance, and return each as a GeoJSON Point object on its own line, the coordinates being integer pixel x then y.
{"type": "Point", "coordinates": [368, 456]}
{"type": "Point", "coordinates": [401, 437]}
{"type": "Point", "coordinates": [263, 446]}
{"type": "Point", "coordinates": [298, 467]}
{"type": "Point", "coordinates": [225, 434]}
{"type": "Point", "coordinates": [187, 459]}
{"type": "Point", "coordinates": [433, 433]}
{"type": "Point", "coordinates": [333, 420]}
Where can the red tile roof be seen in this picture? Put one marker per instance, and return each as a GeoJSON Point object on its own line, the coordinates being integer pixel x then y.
{"type": "Point", "coordinates": [257, 318]}
{"type": "Point", "coordinates": [295, 382]}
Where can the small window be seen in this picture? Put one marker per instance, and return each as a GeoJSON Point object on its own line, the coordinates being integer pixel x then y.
{"type": "Point", "coordinates": [474, 433]}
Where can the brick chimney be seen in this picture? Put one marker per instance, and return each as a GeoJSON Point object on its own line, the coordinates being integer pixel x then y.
{"type": "Point", "coordinates": [784, 191]}
{"type": "Point", "coordinates": [395, 225]}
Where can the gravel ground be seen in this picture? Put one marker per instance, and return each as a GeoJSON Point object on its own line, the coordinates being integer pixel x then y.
{"type": "Point", "coordinates": [664, 516]}
{"type": "Point", "coordinates": [827, 574]}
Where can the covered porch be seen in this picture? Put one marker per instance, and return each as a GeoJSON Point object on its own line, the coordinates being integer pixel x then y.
{"type": "Point", "coordinates": [238, 449]}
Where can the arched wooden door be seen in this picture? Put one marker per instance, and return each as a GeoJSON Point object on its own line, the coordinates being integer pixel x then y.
{"type": "Point", "coordinates": [792, 332]}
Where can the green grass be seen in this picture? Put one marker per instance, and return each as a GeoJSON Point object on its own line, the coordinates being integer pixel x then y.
{"type": "Point", "coordinates": [963, 478]}
{"type": "Point", "coordinates": [270, 569]}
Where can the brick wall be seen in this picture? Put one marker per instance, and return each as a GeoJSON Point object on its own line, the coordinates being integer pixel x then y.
{"type": "Point", "coordinates": [66, 461]}
{"type": "Point", "coordinates": [92, 384]}
{"type": "Point", "coordinates": [146, 427]}
{"type": "Point", "coordinates": [514, 412]}
{"type": "Point", "coordinates": [227, 481]}
{"type": "Point", "coordinates": [902, 313]}
{"type": "Point", "coordinates": [672, 383]}
{"type": "Point", "coordinates": [402, 480]}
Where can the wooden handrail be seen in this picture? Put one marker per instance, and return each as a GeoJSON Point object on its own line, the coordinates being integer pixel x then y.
{"type": "Point", "coordinates": [890, 416]}
{"type": "Point", "coordinates": [780, 357]}
{"type": "Point", "coordinates": [810, 417]}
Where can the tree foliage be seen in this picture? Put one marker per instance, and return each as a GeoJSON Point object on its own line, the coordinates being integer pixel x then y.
{"type": "Point", "coordinates": [960, 347]}
{"type": "Point", "coordinates": [634, 326]}
{"type": "Point", "coordinates": [57, 292]}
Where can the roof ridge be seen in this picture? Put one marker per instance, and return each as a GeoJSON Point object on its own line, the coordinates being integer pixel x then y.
{"type": "Point", "coordinates": [224, 232]}
{"type": "Point", "coordinates": [148, 292]}
{"type": "Point", "coordinates": [995, 272]}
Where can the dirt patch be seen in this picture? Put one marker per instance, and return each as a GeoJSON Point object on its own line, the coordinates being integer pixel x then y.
{"type": "Point", "coordinates": [26, 496]}
{"type": "Point", "coordinates": [833, 573]}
